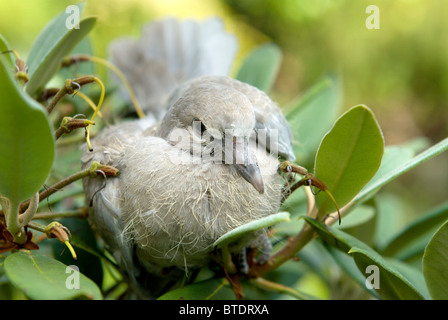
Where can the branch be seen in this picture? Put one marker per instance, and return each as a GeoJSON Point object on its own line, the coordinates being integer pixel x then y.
{"type": "Point", "coordinates": [294, 245]}
{"type": "Point", "coordinates": [92, 171]}
{"type": "Point", "coordinates": [69, 124]}
{"type": "Point", "coordinates": [95, 169]}
{"type": "Point", "coordinates": [80, 213]}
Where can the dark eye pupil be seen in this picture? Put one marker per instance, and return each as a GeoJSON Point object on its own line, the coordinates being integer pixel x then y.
{"type": "Point", "coordinates": [199, 127]}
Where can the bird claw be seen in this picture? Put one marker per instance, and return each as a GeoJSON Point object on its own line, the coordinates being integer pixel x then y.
{"type": "Point", "coordinates": [264, 246]}
{"type": "Point", "coordinates": [243, 265]}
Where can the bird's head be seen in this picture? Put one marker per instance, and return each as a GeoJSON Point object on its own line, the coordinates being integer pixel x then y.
{"type": "Point", "coordinates": [216, 122]}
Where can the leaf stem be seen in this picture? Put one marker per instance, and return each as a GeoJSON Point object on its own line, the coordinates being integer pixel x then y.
{"type": "Point", "coordinates": [229, 266]}
{"type": "Point", "coordinates": [29, 213]}
{"type": "Point", "coordinates": [12, 222]}
{"type": "Point", "coordinates": [69, 87]}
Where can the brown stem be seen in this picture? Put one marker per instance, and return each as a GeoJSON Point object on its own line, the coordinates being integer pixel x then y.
{"type": "Point", "coordinates": [93, 170]}
{"type": "Point", "coordinates": [69, 87]}
{"type": "Point", "coordinates": [69, 124]}
{"type": "Point", "coordinates": [80, 213]}
{"type": "Point", "coordinates": [74, 59]}
{"type": "Point", "coordinates": [47, 94]}
{"type": "Point", "coordinates": [294, 245]}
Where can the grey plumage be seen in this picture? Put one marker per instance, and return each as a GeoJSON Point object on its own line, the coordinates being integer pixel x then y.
{"type": "Point", "coordinates": [172, 199]}
{"type": "Point", "coordinates": [170, 52]}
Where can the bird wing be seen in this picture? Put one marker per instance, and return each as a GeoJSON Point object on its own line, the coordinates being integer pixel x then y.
{"type": "Point", "coordinates": [104, 196]}
{"type": "Point", "coordinates": [170, 52]}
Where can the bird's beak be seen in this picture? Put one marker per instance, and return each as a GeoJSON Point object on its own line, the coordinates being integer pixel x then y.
{"type": "Point", "coordinates": [246, 164]}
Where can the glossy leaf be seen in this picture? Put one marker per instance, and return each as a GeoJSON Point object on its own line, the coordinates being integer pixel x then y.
{"type": "Point", "coordinates": [44, 278]}
{"type": "Point", "coordinates": [435, 264]}
{"type": "Point", "coordinates": [413, 273]}
{"type": "Point", "coordinates": [348, 157]}
{"type": "Point", "coordinates": [54, 43]}
{"type": "Point", "coordinates": [319, 105]}
{"type": "Point", "coordinates": [394, 156]}
{"type": "Point", "coordinates": [4, 47]}
{"type": "Point", "coordinates": [348, 265]}
{"type": "Point", "coordinates": [418, 233]}
{"type": "Point", "coordinates": [334, 237]}
{"type": "Point", "coordinates": [360, 215]}
{"type": "Point", "coordinates": [391, 217]}
{"type": "Point", "coordinates": [393, 284]}
{"type": "Point", "coordinates": [261, 67]}
{"type": "Point", "coordinates": [79, 69]}
{"type": "Point", "coordinates": [397, 171]}
{"type": "Point", "coordinates": [26, 140]}
{"type": "Point", "coordinates": [250, 227]}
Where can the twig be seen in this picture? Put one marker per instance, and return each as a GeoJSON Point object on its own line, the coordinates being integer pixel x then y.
{"type": "Point", "coordinates": [92, 171]}
{"type": "Point", "coordinates": [289, 250]}
{"type": "Point", "coordinates": [69, 87]}
{"type": "Point", "coordinates": [69, 124]}
{"type": "Point", "coordinates": [80, 213]}
{"type": "Point", "coordinates": [83, 57]}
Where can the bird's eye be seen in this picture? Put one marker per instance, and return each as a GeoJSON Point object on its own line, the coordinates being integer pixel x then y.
{"type": "Point", "coordinates": [198, 127]}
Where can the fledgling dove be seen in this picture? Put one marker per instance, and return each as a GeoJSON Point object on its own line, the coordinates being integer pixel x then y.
{"type": "Point", "coordinates": [193, 176]}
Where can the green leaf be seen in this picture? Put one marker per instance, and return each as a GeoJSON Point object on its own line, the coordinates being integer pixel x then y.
{"type": "Point", "coordinates": [394, 156]}
{"type": "Point", "coordinates": [348, 265]}
{"type": "Point", "coordinates": [54, 43]}
{"type": "Point", "coordinates": [397, 171]}
{"type": "Point", "coordinates": [348, 157]}
{"type": "Point", "coordinates": [79, 69]}
{"type": "Point", "coordinates": [4, 46]}
{"type": "Point", "coordinates": [417, 234]}
{"type": "Point", "coordinates": [250, 227]}
{"type": "Point", "coordinates": [391, 217]}
{"type": "Point", "coordinates": [261, 67]}
{"type": "Point", "coordinates": [358, 216]}
{"type": "Point", "coordinates": [336, 238]}
{"type": "Point", "coordinates": [413, 274]}
{"type": "Point", "coordinates": [211, 289]}
{"type": "Point", "coordinates": [86, 261]}
{"type": "Point", "coordinates": [44, 278]}
{"type": "Point", "coordinates": [321, 104]}
{"type": "Point", "coordinates": [393, 284]}
{"type": "Point", "coordinates": [26, 140]}
{"type": "Point", "coordinates": [435, 264]}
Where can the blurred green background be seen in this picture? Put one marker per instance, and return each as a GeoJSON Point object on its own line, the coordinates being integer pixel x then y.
{"type": "Point", "coordinates": [399, 70]}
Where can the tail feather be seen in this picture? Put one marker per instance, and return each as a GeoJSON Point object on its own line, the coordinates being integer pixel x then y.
{"type": "Point", "coordinates": [170, 52]}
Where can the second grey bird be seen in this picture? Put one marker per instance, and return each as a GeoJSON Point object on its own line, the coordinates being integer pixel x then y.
{"type": "Point", "coordinates": [191, 177]}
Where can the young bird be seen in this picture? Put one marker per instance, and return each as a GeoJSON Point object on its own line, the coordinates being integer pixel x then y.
{"type": "Point", "coordinates": [207, 167]}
